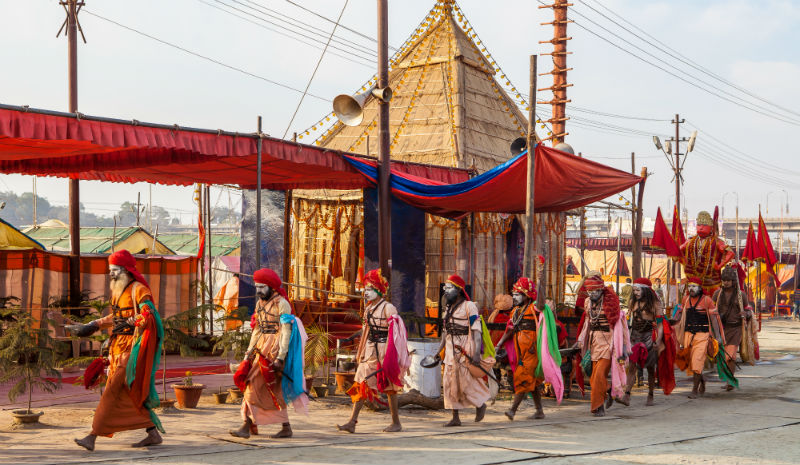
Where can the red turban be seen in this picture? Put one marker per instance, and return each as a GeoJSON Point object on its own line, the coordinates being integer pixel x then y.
{"type": "Point", "coordinates": [643, 282]}
{"type": "Point", "coordinates": [271, 279]}
{"type": "Point", "coordinates": [593, 283]}
{"type": "Point", "coordinates": [458, 282]}
{"type": "Point", "coordinates": [124, 259]}
{"type": "Point", "coordinates": [695, 280]}
{"type": "Point", "coordinates": [525, 286]}
{"type": "Point", "coordinates": [375, 279]}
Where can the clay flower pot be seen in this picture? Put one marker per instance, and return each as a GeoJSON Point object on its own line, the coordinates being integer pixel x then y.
{"type": "Point", "coordinates": [188, 396]}
{"type": "Point", "coordinates": [344, 380]}
{"type": "Point", "coordinates": [321, 391]}
{"type": "Point", "coordinates": [26, 416]}
{"type": "Point", "coordinates": [221, 397]}
{"type": "Point", "coordinates": [235, 394]}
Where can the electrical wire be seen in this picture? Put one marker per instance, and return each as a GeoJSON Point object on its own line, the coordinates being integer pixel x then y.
{"type": "Point", "coordinates": [195, 54]}
{"type": "Point", "coordinates": [681, 57]}
{"type": "Point", "coordinates": [316, 68]}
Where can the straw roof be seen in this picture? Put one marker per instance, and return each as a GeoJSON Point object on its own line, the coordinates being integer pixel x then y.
{"type": "Point", "coordinates": [448, 108]}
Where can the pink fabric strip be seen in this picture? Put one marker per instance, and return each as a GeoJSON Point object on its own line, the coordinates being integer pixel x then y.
{"type": "Point", "coordinates": [552, 372]}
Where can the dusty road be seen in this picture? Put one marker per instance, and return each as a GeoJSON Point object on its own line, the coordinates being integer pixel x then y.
{"type": "Point", "coordinates": [758, 424]}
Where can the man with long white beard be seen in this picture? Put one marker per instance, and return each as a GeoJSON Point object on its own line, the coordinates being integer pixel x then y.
{"type": "Point", "coordinates": [129, 397]}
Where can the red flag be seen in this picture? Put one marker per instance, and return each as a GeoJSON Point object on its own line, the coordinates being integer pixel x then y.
{"type": "Point", "coordinates": [767, 252]}
{"type": "Point", "coordinates": [677, 227]}
{"type": "Point", "coordinates": [751, 250]}
{"type": "Point", "coordinates": [201, 230]}
{"type": "Point", "coordinates": [716, 220]}
{"type": "Point", "coordinates": [663, 239]}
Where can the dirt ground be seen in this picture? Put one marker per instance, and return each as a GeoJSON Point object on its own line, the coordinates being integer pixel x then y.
{"type": "Point", "coordinates": [757, 424]}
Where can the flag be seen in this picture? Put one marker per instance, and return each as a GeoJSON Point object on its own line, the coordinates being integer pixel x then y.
{"type": "Point", "coordinates": [716, 220]}
{"type": "Point", "coordinates": [663, 239]}
{"type": "Point", "coordinates": [767, 252]}
{"type": "Point", "coordinates": [677, 227]}
{"type": "Point", "coordinates": [751, 250]}
{"type": "Point", "coordinates": [201, 230]}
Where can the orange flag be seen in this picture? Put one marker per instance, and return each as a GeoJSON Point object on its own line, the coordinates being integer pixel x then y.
{"type": "Point", "coordinates": [751, 250]}
{"type": "Point", "coordinates": [677, 227]}
{"type": "Point", "coordinates": [767, 252]}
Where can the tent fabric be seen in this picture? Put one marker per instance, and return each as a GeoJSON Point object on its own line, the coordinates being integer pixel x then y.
{"type": "Point", "coordinates": [563, 181]}
{"type": "Point", "coordinates": [44, 143]}
{"type": "Point", "coordinates": [12, 238]}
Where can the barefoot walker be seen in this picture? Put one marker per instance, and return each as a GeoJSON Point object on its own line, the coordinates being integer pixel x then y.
{"type": "Point", "coordinates": [382, 355]}
{"type": "Point", "coordinates": [271, 376]}
{"type": "Point", "coordinates": [134, 353]}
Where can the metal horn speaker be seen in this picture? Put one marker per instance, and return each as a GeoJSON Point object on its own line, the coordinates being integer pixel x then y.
{"type": "Point", "coordinates": [519, 145]}
{"type": "Point", "coordinates": [350, 108]}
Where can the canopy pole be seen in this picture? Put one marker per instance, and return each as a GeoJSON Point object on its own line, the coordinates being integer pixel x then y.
{"type": "Point", "coordinates": [384, 200]}
{"type": "Point", "coordinates": [74, 188]}
{"type": "Point", "coordinates": [258, 196]}
{"type": "Point", "coordinates": [528, 265]}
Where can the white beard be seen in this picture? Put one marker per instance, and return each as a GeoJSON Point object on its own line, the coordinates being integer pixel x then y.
{"type": "Point", "coordinates": [118, 285]}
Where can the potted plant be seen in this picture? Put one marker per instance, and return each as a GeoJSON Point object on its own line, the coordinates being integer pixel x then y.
{"type": "Point", "coordinates": [27, 359]}
{"type": "Point", "coordinates": [234, 342]}
{"type": "Point", "coordinates": [316, 355]}
{"type": "Point", "coordinates": [188, 394]}
{"type": "Point", "coordinates": [178, 337]}
{"type": "Point", "coordinates": [221, 397]}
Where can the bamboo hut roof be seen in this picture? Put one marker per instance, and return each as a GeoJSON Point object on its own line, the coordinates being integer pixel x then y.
{"type": "Point", "coordinates": [448, 108]}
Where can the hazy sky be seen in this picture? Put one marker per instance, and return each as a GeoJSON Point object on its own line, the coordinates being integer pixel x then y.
{"type": "Point", "coordinates": [750, 44]}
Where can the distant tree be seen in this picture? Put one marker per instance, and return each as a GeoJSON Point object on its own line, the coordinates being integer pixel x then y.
{"type": "Point", "coordinates": [220, 215]}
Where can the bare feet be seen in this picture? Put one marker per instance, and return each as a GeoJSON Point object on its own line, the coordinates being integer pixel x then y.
{"type": "Point", "coordinates": [609, 400]}
{"type": "Point", "coordinates": [510, 414]}
{"type": "Point", "coordinates": [624, 400]}
{"type": "Point", "coordinates": [453, 422]}
{"type": "Point", "coordinates": [480, 412]}
{"type": "Point", "coordinates": [702, 389]}
{"type": "Point", "coordinates": [728, 387]}
{"type": "Point", "coordinates": [152, 439]}
{"type": "Point", "coordinates": [693, 394]}
{"type": "Point", "coordinates": [87, 442]}
{"type": "Point", "coordinates": [538, 415]}
{"type": "Point", "coordinates": [601, 412]}
{"type": "Point", "coordinates": [350, 427]}
{"type": "Point", "coordinates": [393, 428]}
{"type": "Point", "coordinates": [285, 432]}
{"type": "Point", "coordinates": [649, 402]}
{"type": "Point", "coordinates": [243, 431]}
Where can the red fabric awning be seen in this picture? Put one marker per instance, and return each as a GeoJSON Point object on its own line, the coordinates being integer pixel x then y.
{"type": "Point", "coordinates": [47, 143]}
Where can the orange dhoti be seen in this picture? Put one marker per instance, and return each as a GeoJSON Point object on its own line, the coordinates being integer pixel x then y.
{"type": "Point", "coordinates": [116, 411]}
{"type": "Point", "coordinates": [525, 379]}
{"type": "Point", "coordinates": [264, 403]}
{"type": "Point", "coordinates": [599, 381]}
{"type": "Point", "coordinates": [698, 347]}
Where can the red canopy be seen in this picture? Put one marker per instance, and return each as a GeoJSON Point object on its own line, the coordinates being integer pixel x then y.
{"type": "Point", "coordinates": [45, 143]}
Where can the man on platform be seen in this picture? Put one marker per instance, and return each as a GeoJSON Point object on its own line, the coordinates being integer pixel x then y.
{"type": "Point", "coordinates": [732, 312]}
{"type": "Point", "coordinates": [523, 329]}
{"type": "Point", "coordinates": [130, 396]}
{"type": "Point", "coordinates": [271, 376]}
{"type": "Point", "coordinates": [694, 333]}
{"type": "Point", "coordinates": [605, 337]}
{"type": "Point", "coordinates": [704, 255]}
{"type": "Point", "coordinates": [646, 336]}
{"type": "Point", "coordinates": [461, 341]}
{"type": "Point", "coordinates": [382, 355]}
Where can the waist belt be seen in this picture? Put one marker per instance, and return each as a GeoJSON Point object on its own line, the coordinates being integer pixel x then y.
{"type": "Point", "coordinates": [127, 331]}
{"type": "Point", "coordinates": [377, 335]}
{"type": "Point", "coordinates": [599, 327]}
{"type": "Point", "coordinates": [525, 325]}
{"type": "Point", "coordinates": [697, 328]}
{"type": "Point", "coordinates": [456, 329]}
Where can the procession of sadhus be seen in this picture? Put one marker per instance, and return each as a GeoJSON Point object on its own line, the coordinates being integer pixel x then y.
{"type": "Point", "coordinates": [714, 324]}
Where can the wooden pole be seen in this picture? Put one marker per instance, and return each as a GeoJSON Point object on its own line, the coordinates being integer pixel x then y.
{"type": "Point", "coordinates": [201, 208]}
{"type": "Point", "coordinates": [619, 242]}
{"type": "Point", "coordinates": [637, 231]}
{"type": "Point", "coordinates": [636, 236]}
{"type": "Point", "coordinates": [528, 262]}
{"type": "Point", "coordinates": [258, 196]}
{"type": "Point", "coordinates": [384, 193]}
{"type": "Point", "coordinates": [210, 264]}
{"type": "Point", "coordinates": [74, 188]}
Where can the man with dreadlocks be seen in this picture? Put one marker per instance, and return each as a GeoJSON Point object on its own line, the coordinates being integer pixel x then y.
{"type": "Point", "coordinates": [382, 354]}
{"type": "Point", "coordinates": [732, 312]}
{"type": "Point", "coordinates": [461, 342]}
{"type": "Point", "coordinates": [647, 316]}
{"type": "Point", "coordinates": [604, 337]}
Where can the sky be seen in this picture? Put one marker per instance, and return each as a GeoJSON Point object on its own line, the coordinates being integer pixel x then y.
{"type": "Point", "coordinates": [748, 153]}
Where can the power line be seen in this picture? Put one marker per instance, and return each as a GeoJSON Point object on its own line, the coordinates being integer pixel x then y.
{"type": "Point", "coordinates": [614, 115]}
{"type": "Point", "coordinates": [190, 52]}
{"type": "Point", "coordinates": [351, 51]}
{"type": "Point", "coordinates": [753, 108]}
{"type": "Point", "coordinates": [360, 34]}
{"type": "Point", "coordinates": [679, 56]}
{"type": "Point", "coordinates": [314, 73]}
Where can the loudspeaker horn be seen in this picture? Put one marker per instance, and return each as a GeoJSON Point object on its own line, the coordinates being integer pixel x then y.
{"type": "Point", "coordinates": [350, 108]}
{"type": "Point", "coordinates": [519, 145]}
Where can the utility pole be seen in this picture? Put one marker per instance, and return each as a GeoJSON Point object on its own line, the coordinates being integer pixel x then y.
{"type": "Point", "coordinates": [636, 236]}
{"type": "Point", "coordinates": [678, 166]}
{"type": "Point", "coordinates": [559, 72]}
{"type": "Point", "coordinates": [384, 199]}
{"type": "Point", "coordinates": [528, 264]}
